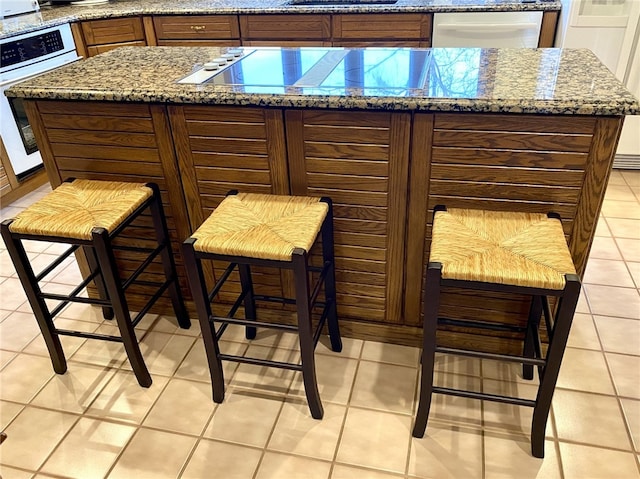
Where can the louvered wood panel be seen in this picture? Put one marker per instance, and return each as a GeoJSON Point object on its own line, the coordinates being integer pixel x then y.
{"type": "Point", "coordinates": [360, 161]}
{"type": "Point", "coordinates": [117, 142]}
{"type": "Point", "coordinates": [531, 163]}
{"type": "Point", "coordinates": [221, 149]}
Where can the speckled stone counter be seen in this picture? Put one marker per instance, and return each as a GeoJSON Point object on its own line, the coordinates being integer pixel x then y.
{"type": "Point", "coordinates": [549, 81]}
{"type": "Point", "coordinates": [119, 8]}
{"type": "Point", "coordinates": [388, 134]}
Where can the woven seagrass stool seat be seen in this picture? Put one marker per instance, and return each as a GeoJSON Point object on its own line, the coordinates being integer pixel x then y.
{"type": "Point", "coordinates": [89, 215]}
{"type": "Point", "coordinates": [521, 253]}
{"type": "Point", "coordinates": [275, 231]}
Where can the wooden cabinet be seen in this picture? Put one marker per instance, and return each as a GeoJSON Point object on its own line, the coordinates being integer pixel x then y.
{"type": "Point", "coordinates": [294, 29]}
{"type": "Point", "coordinates": [389, 29]}
{"type": "Point", "coordinates": [194, 30]}
{"type": "Point", "coordinates": [5, 184]}
{"type": "Point", "coordinates": [360, 160]}
{"type": "Point", "coordinates": [98, 36]}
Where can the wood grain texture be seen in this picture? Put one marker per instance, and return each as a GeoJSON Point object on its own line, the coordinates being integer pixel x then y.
{"type": "Point", "coordinates": [285, 27]}
{"type": "Point", "coordinates": [391, 26]}
{"type": "Point", "coordinates": [113, 30]}
{"type": "Point", "coordinates": [548, 29]}
{"type": "Point", "coordinates": [196, 27]}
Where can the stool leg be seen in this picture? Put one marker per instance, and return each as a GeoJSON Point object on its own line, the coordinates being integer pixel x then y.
{"type": "Point", "coordinates": [330, 279]}
{"type": "Point", "coordinates": [168, 264]}
{"type": "Point", "coordinates": [90, 254]}
{"type": "Point", "coordinates": [305, 332]}
{"type": "Point", "coordinates": [532, 330]}
{"type": "Point", "coordinates": [107, 262]}
{"type": "Point", "coordinates": [32, 290]}
{"type": "Point", "coordinates": [431, 306]}
{"type": "Point", "coordinates": [249, 301]}
{"type": "Point", "coordinates": [558, 341]}
{"type": "Point", "coordinates": [200, 295]}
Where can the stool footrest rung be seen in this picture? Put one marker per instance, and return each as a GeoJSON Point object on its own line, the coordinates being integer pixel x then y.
{"type": "Point", "coordinates": [75, 299]}
{"type": "Point", "coordinates": [220, 282]}
{"type": "Point", "coordinates": [73, 295]}
{"type": "Point", "coordinates": [152, 300]}
{"type": "Point", "coordinates": [143, 266]}
{"type": "Point", "coordinates": [485, 396]}
{"type": "Point", "coordinates": [82, 334]}
{"type": "Point", "coordinates": [253, 323]}
{"type": "Point", "coordinates": [492, 356]}
{"type": "Point", "coordinates": [481, 325]}
{"type": "Point", "coordinates": [274, 299]}
{"type": "Point", "coordinates": [56, 262]}
{"type": "Point", "coordinates": [261, 362]}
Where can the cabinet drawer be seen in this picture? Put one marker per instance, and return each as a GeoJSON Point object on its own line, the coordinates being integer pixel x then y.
{"type": "Point", "coordinates": [390, 26]}
{"type": "Point", "coordinates": [196, 27]}
{"type": "Point", "coordinates": [96, 49]}
{"type": "Point", "coordinates": [274, 27]}
{"type": "Point", "coordinates": [113, 30]}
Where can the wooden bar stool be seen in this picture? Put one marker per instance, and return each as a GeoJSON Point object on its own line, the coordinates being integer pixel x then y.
{"type": "Point", "coordinates": [266, 230]}
{"type": "Point", "coordinates": [524, 253]}
{"type": "Point", "coordinates": [90, 214]}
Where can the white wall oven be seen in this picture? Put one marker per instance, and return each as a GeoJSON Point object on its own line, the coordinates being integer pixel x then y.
{"type": "Point", "coordinates": [24, 56]}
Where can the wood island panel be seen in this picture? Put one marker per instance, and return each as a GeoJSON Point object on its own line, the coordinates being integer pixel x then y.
{"type": "Point", "coordinates": [174, 30]}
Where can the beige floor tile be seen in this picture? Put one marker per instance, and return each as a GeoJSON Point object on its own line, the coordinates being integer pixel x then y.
{"type": "Point", "coordinates": [270, 338]}
{"type": "Point", "coordinates": [624, 228]}
{"type": "Point", "coordinates": [218, 459]}
{"type": "Point", "coordinates": [631, 410]}
{"type": "Point", "coordinates": [447, 452]}
{"type": "Point", "coordinates": [457, 364]}
{"type": "Point", "coordinates": [349, 472]}
{"type": "Point", "coordinates": [604, 248]}
{"type": "Point", "coordinates": [583, 370]}
{"type": "Point", "coordinates": [375, 439]}
{"type": "Point", "coordinates": [280, 465]}
{"type": "Point", "coordinates": [504, 371]}
{"type": "Point", "coordinates": [580, 462]}
{"type": "Point", "coordinates": [123, 399]}
{"type": "Point", "coordinates": [632, 177]}
{"type": "Point", "coordinates": [453, 409]}
{"type": "Point", "coordinates": [613, 301]}
{"type": "Point", "coordinates": [634, 269]}
{"type": "Point", "coordinates": [196, 367]}
{"type": "Point", "coordinates": [32, 436]}
{"type": "Point", "coordinates": [153, 455]}
{"type": "Point", "coordinates": [583, 305]}
{"type": "Point", "coordinates": [9, 211]}
{"type": "Point", "coordinates": [245, 417]}
{"type": "Point", "coordinates": [620, 193]}
{"type": "Point", "coordinates": [74, 390]}
{"type": "Point", "coordinates": [335, 378]}
{"type": "Point", "coordinates": [507, 458]}
{"type": "Point", "coordinates": [4, 314]}
{"type": "Point", "coordinates": [602, 229]}
{"type": "Point", "coordinates": [169, 324]}
{"type": "Point", "coordinates": [89, 450]}
{"type": "Point", "coordinates": [296, 432]}
{"type": "Point", "coordinates": [12, 294]}
{"type": "Point", "coordinates": [629, 248]}
{"type": "Point", "coordinates": [509, 418]}
{"type": "Point", "coordinates": [621, 209]}
{"type": "Point", "coordinates": [607, 272]}
{"type": "Point", "coordinates": [619, 335]}
{"type": "Point", "coordinates": [184, 406]}
{"type": "Point", "coordinates": [583, 333]}
{"type": "Point", "coordinates": [162, 352]}
{"type": "Point", "coordinates": [6, 265]}
{"type": "Point", "coordinates": [8, 412]}
{"type": "Point", "coordinates": [384, 386]}
{"type": "Point", "coordinates": [264, 378]}
{"type": "Point", "coordinates": [18, 330]}
{"type": "Point", "coordinates": [70, 344]}
{"type": "Point", "coordinates": [11, 473]}
{"type": "Point", "coordinates": [101, 353]}
{"type": "Point", "coordinates": [391, 353]}
{"type": "Point", "coordinates": [617, 178]}
{"type": "Point", "coordinates": [83, 312]}
{"type": "Point", "coordinates": [589, 419]}
{"type": "Point", "coordinates": [23, 377]}
{"type": "Point", "coordinates": [351, 348]}
{"type": "Point", "coordinates": [625, 371]}
{"type": "Point", "coordinates": [6, 357]}
{"type": "Point", "coordinates": [69, 273]}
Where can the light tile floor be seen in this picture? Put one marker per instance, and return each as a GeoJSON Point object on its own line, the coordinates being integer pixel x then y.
{"type": "Point", "coordinates": [95, 421]}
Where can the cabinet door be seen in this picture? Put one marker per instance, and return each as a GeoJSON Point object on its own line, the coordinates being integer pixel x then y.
{"type": "Point", "coordinates": [379, 27]}
{"type": "Point", "coordinates": [95, 49]}
{"type": "Point", "coordinates": [285, 27]}
{"type": "Point", "coordinates": [225, 148]}
{"type": "Point", "coordinates": [113, 30]}
{"type": "Point", "coordinates": [360, 160]}
{"type": "Point", "coordinates": [195, 28]}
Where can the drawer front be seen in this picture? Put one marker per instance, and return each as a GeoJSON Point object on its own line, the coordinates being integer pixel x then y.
{"type": "Point", "coordinates": [113, 30]}
{"type": "Point", "coordinates": [96, 49]}
{"type": "Point", "coordinates": [382, 26]}
{"type": "Point", "coordinates": [196, 27]}
{"type": "Point", "coordinates": [274, 27]}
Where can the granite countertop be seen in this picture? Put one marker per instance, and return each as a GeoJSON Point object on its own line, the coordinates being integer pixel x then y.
{"type": "Point", "coordinates": [50, 16]}
{"type": "Point", "coordinates": [547, 81]}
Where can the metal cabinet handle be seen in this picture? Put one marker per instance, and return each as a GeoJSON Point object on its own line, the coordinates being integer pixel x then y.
{"type": "Point", "coordinates": [198, 28]}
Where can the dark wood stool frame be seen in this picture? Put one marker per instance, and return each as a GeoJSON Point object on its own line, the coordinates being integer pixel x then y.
{"type": "Point", "coordinates": [305, 301]}
{"type": "Point", "coordinates": [558, 327]}
{"type": "Point", "coordinates": [111, 289]}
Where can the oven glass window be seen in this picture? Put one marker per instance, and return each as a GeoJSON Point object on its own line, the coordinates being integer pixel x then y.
{"type": "Point", "coordinates": [26, 133]}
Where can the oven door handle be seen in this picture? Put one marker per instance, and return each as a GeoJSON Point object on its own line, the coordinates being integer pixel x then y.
{"type": "Point", "coordinates": [30, 75]}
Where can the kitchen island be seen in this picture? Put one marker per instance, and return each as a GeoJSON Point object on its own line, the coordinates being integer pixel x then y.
{"type": "Point", "coordinates": [387, 133]}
